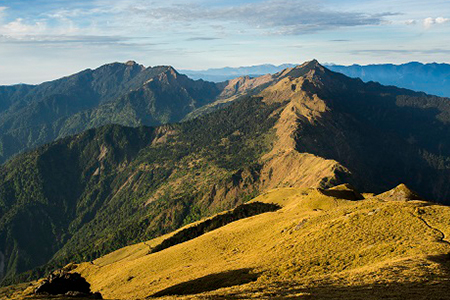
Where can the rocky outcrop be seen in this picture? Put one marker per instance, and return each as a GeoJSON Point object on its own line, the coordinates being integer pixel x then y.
{"type": "Point", "coordinates": [241, 85]}
{"type": "Point", "coordinates": [400, 192]}
{"type": "Point", "coordinates": [62, 282]}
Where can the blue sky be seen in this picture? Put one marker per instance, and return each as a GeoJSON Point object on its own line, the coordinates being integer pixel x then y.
{"type": "Point", "coordinates": [46, 39]}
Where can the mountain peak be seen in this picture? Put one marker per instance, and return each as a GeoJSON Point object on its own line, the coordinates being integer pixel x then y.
{"type": "Point", "coordinates": [400, 192]}
{"type": "Point", "coordinates": [134, 65]}
{"type": "Point", "coordinates": [131, 63]}
{"type": "Point", "coordinates": [310, 67]}
{"type": "Point", "coordinates": [312, 63]}
{"type": "Point", "coordinates": [171, 70]}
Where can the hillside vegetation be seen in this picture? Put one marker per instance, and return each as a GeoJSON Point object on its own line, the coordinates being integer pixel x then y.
{"type": "Point", "coordinates": [87, 195]}
{"type": "Point", "coordinates": [127, 94]}
{"type": "Point", "coordinates": [315, 247]}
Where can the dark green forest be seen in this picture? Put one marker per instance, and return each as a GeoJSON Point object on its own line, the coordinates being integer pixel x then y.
{"type": "Point", "coordinates": [126, 94]}
{"type": "Point", "coordinates": [84, 196]}
{"type": "Point", "coordinates": [88, 194]}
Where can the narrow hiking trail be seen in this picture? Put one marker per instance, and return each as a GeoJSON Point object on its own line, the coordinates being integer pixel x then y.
{"type": "Point", "coordinates": [443, 238]}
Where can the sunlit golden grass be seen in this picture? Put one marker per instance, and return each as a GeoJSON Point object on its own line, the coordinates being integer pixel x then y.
{"type": "Point", "coordinates": [315, 246]}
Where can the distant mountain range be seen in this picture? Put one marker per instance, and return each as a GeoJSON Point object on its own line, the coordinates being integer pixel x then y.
{"type": "Point", "coordinates": [227, 73]}
{"type": "Point", "coordinates": [130, 94]}
{"type": "Point", "coordinates": [88, 194]}
{"type": "Point", "coordinates": [432, 78]}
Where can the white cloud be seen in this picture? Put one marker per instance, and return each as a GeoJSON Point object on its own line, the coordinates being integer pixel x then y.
{"type": "Point", "coordinates": [88, 33]}
{"type": "Point", "coordinates": [267, 17]}
{"type": "Point", "coordinates": [428, 22]}
{"type": "Point", "coordinates": [63, 14]}
{"type": "Point", "coordinates": [442, 20]}
{"type": "Point", "coordinates": [290, 17]}
{"type": "Point", "coordinates": [19, 27]}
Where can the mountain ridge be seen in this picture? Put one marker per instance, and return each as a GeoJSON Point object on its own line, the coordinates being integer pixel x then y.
{"type": "Point", "coordinates": [114, 93]}
{"type": "Point", "coordinates": [431, 78]}
{"type": "Point", "coordinates": [309, 127]}
{"type": "Point", "coordinates": [318, 244]}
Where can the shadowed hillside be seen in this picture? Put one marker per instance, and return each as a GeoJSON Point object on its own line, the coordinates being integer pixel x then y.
{"type": "Point", "coordinates": [90, 194]}
{"type": "Point", "coordinates": [127, 94]}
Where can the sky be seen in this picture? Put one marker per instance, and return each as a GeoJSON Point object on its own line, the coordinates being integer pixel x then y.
{"type": "Point", "coordinates": [42, 40]}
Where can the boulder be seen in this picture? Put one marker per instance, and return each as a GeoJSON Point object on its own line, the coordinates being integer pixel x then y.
{"type": "Point", "coordinates": [61, 282]}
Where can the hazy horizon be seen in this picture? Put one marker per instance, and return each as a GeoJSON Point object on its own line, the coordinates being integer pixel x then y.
{"type": "Point", "coordinates": [217, 68]}
{"type": "Point", "coordinates": [43, 40]}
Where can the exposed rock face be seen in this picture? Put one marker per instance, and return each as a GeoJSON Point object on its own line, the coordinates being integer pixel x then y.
{"type": "Point", "coordinates": [241, 85]}
{"type": "Point", "coordinates": [62, 282]}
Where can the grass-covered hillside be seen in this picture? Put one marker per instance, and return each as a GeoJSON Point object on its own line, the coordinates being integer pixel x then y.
{"type": "Point", "coordinates": [320, 244]}
{"type": "Point", "coordinates": [87, 195]}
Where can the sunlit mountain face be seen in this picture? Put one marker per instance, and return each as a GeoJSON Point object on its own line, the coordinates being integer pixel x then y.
{"type": "Point", "coordinates": [303, 127]}
{"type": "Point", "coordinates": [429, 78]}
{"type": "Point", "coordinates": [244, 149]}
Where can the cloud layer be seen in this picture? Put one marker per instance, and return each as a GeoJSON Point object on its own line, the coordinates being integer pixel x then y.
{"type": "Point", "coordinates": [429, 22]}
{"type": "Point", "coordinates": [282, 17]}
{"type": "Point", "coordinates": [51, 38]}
{"type": "Point", "coordinates": [272, 17]}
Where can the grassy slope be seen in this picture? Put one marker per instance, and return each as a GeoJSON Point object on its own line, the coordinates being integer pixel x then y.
{"type": "Point", "coordinates": [197, 168]}
{"type": "Point", "coordinates": [127, 185]}
{"type": "Point", "coordinates": [315, 245]}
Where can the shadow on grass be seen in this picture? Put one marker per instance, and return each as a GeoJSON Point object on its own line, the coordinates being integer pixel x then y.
{"type": "Point", "coordinates": [240, 212]}
{"type": "Point", "coordinates": [443, 260]}
{"type": "Point", "coordinates": [393, 291]}
{"type": "Point", "coordinates": [209, 283]}
{"type": "Point", "coordinates": [437, 288]}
